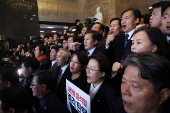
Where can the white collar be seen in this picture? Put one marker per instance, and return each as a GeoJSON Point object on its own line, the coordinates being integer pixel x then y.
{"type": "Point", "coordinates": [53, 62]}
{"type": "Point", "coordinates": [130, 34]}
{"type": "Point", "coordinates": [93, 91]}
{"type": "Point", "coordinates": [91, 51]}
{"type": "Point", "coordinates": [64, 68]}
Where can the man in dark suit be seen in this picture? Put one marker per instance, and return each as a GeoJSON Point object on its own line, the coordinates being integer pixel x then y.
{"type": "Point", "coordinates": [54, 68]}
{"type": "Point", "coordinates": [90, 42]}
{"type": "Point", "coordinates": [63, 57]}
{"type": "Point", "coordinates": [122, 44]}
{"type": "Point", "coordinates": [41, 86]}
{"type": "Point", "coordinates": [40, 55]}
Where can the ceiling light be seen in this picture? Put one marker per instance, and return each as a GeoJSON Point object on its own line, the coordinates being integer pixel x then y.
{"type": "Point", "coordinates": [65, 27]}
{"type": "Point", "coordinates": [50, 27]}
{"type": "Point", "coordinates": [54, 31]}
{"type": "Point", "coordinates": [33, 15]}
{"type": "Point", "coordinates": [41, 31]}
{"type": "Point", "coordinates": [74, 30]}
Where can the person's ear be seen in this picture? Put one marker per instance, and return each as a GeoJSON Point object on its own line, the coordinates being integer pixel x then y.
{"type": "Point", "coordinates": [102, 74]}
{"type": "Point", "coordinates": [95, 42]}
{"type": "Point", "coordinates": [30, 69]}
{"type": "Point", "coordinates": [41, 52]}
{"type": "Point", "coordinates": [136, 21]}
{"type": "Point", "coordinates": [164, 95]}
{"type": "Point", "coordinates": [11, 110]}
{"type": "Point", "coordinates": [66, 59]}
{"type": "Point", "coordinates": [44, 86]}
{"type": "Point", "coordinates": [154, 48]}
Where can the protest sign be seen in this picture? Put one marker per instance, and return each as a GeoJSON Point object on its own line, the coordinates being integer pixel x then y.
{"type": "Point", "coordinates": [77, 100]}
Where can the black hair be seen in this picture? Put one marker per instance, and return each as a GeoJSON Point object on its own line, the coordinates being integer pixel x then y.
{"type": "Point", "coordinates": [94, 34]}
{"type": "Point", "coordinates": [25, 49]}
{"type": "Point", "coordinates": [45, 77]}
{"type": "Point", "coordinates": [56, 34]}
{"type": "Point", "coordinates": [75, 38]}
{"type": "Point", "coordinates": [157, 37]}
{"type": "Point", "coordinates": [81, 55]}
{"type": "Point", "coordinates": [65, 37]}
{"type": "Point", "coordinates": [57, 47]}
{"type": "Point", "coordinates": [165, 7]}
{"type": "Point", "coordinates": [136, 13]}
{"type": "Point", "coordinates": [146, 18]}
{"type": "Point", "coordinates": [106, 28]}
{"type": "Point", "coordinates": [42, 48]}
{"type": "Point", "coordinates": [152, 67]}
{"type": "Point", "coordinates": [101, 26]}
{"type": "Point", "coordinates": [77, 21]}
{"type": "Point", "coordinates": [9, 74]}
{"type": "Point", "coordinates": [160, 4]}
{"type": "Point", "coordinates": [88, 28]}
{"type": "Point", "coordinates": [103, 63]}
{"type": "Point", "coordinates": [116, 19]}
{"type": "Point", "coordinates": [31, 62]}
{"type": "Point", "coordinates": [14, 98]}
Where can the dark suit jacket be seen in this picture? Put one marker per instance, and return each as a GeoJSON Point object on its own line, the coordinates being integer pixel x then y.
{"type": "Point", "coordinates": [99, 103]}
{"type": "Point", "coordinates": [98, 52]}
{"type": "Point", "coordinates": [61, 90]}
{"type": "Point", "coordinates": [45, 64]}
{"type": "Point", "coordinates": [116, 105]}
{"type": "Point", "coordinates": [52, 104]}
{"type": "Point", "coordinates": [116, 50]}
{"type": "Point", "coordinates": [54, 69]}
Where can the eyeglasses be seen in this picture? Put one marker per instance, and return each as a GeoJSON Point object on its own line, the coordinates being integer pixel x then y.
{"type": "Point", "coordinates": [90, 69]}
{"type": "Point", "coordinates": [166, 16]}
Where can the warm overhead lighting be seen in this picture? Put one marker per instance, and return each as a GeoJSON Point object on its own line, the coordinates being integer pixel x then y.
{"type": "Point", "coordinates": [74, 30]}
{"type": "Point", "coordinates": [20, 4]}
{"type": "Point", "coordinates": [54, 31]}
{"type": "Point", "coordinates": [50, 27]}
{"type": "Point", "coordinates": [150, 7]}
{"type": "Point", "coordinates": [65, 27]}
{"type": "Point", "coordinates": [41, 31]}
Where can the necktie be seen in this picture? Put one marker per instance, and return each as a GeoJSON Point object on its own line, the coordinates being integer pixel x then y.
{"type": "Point", "coordinates": [87, 54]}
{"type": "Point", "coordinates": [126, 39]}
{"type": "Point", "coordinates": [60, 72]}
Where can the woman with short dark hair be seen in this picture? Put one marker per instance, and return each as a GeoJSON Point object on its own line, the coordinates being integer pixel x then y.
{"type": "Point", "coordinates": [97, 70]}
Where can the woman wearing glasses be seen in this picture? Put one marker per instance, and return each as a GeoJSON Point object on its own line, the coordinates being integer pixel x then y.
{"type": "Point", "coordinates": [77, 68]}
{"type": "Point", "coordinates": [97, 69]}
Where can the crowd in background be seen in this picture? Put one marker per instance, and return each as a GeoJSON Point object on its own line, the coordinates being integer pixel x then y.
{"type": "Point", "coordinates": [123, 68]}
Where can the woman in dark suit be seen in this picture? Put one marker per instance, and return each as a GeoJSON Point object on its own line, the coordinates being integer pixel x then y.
{"type": "Point", "coordinates": [77, 68]}
{"type": "Point", "coordinates": [97, 69]}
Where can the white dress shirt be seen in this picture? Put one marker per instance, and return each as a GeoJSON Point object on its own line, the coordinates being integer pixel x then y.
{"type": "Point", "coordinates": [91, 51]}
{"type": "Point", "coordinates": [93, 90]}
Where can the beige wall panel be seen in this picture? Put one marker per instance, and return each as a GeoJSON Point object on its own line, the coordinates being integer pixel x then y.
{"type": "Point", "coordinates": [61, 10]}
{"type": "Point", "coordinates": [107, 8]}
{"type": "Point", "coordinates": [113, 8]}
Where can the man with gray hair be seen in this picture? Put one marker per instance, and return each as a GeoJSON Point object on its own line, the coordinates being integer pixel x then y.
{"type": "Point", "coordinates": [62, 58]}
{"type": "Point", "coordinates": [145, 85]}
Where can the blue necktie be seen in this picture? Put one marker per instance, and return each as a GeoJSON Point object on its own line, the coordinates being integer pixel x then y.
{"type": "Point", "coordinates": [87, 54]}
{"type": "Point", "coordinates": [60, 72]}
{"type": "Point", "coordinates": [126, 39]}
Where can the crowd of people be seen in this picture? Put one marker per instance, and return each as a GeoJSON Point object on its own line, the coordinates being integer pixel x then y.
{"type": "Point", "coordinates": [124, 68]}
